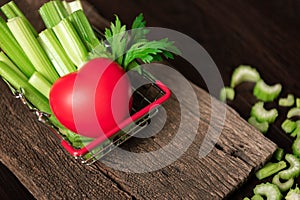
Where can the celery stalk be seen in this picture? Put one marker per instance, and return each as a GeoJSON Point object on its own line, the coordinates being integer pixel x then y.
{"type": "Point", "coordinates": [56, 53]}
{"type": "Point", "coordinates": [11, 10]}
{"type": "Point", "coordinates": [40, 83]}
{"type": "Point", "coordinates": [84, 29]}
{"type": "Point", "coordinates": [7, 61]}
{"type": "Point", "coordinates": [13, 50]}
{"type": "Point", "coordinates": [32, 48]}
{"type": "Point", "coordinates": [75, 5]}
{"type": "Point", "coordinates": [71, 42]}
{"type": "Point", "coordinates": [52, 13]}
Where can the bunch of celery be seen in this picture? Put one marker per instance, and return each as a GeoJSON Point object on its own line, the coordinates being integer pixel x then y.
{"type": "Point", "coordinates": [34, 61]}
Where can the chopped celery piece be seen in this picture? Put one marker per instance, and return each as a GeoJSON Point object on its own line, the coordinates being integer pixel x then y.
{"type": "Point", "coordinates": [56, 53]}
{"type": "Point", "coordinates": [71, 42]}
{"type": "Point", "coordinates": [294, 170]}
{"type": "Point", "coordinates": [279, 154]}
{"type": "Point", "coordinates": [13, 50]}
{"type": "Point", "coordinates": [266, 93]}
{"type": "Point", "coordinates": [268, 190]}
{"type": "Point", "coordinates": [287, 102]}
{"type": "Point", "coordinates": [296, 132]}
{"type": "Point", "coordinates": [227, 93]}
{"type": "Point", "coordinates": [84, 29]}
{"type": "Point", "coordinates": [283, 186]}
{"type": "Point", "coordinates": [298, 102]}
{"type": "Point", "coordinates": [293, 112]}
{"type": "Point", "coordinates": [11, 10]}
{"type": "Point", "coordinates": [262, 115]}
{"type": "Point", "coordinates": [293, 194]}
{"type": "Point", "coordinates": [261, 126]}
{"type": "Point", "coordinates": [32, 48]}
{"type": "Point", "coordinates": [257, 197]}
{"type": "Point", "coordinates": [244, 73]}
{"type": "Point", "coordinates": [288, 126]}
{"type": "Point", "coordinates": [296, 147]}
{"type": "Point", "coordinates": [270, 169]}
{"type": "Point", "coordinates": [40, 83]}
{"type": "Point", "coordinates": [52, 13]}
{"type": "Point", "coordinates": [246, 198]}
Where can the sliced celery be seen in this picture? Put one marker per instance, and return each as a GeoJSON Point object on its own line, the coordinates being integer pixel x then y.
{"type": "Point", "coordinates": [270, 169]}
{"type": "Point", "coordinates": [84, 29]}
{"type": "Point", "coordinates": [288, 126]}
{"type": "Point", "coordinates": [283, 186]}
{"type": "Point", "coordinates": [293, 194]}
{"type": "Point", "coordinates": [71, 42]}
{"type": "Point", "coordinates": [298, 102]}
{"type": "Point", "coordinates": [266, 93]}
{"type": "Point", "coordinates": [52, 13]}
{"type": "Point", "coordinates": [75, 5]}
{"type": "Point", "coordinates": [261, 126]}
{"type": "Point", "coordinates": [13, 50]}
{"type": "Point", "coordinates": [11, 10]}
{"type": "Point", "coordinates": [288, 101]}
{"type": "Point", "coordinates": [279, 154]}
{"type": "Point", "coordinates": [227, 93]}
{"type": "Point", "coordinates": [268, 190]}
{"type": "Point", "coordinates": [40, 83]}
{"type": "Point", "coordinates": [296, 132]}
{"type": "Point", "coordinates": [244, 73]}
{"type": "Point", "coordinates": [293, 112]}
{"type": "Point", "coordinates": [296, 147]}
{"type": "Point", "coordinates": [262, 115]}
{"type": "Point", "coordinates": [56, 53]}
{"type": "Point", "coordinates": [32, 48]}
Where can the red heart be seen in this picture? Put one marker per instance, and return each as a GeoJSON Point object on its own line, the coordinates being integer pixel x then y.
{"type": "Point", "coordinates": [93, 100]}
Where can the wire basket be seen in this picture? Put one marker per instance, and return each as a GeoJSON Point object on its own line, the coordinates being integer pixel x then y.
{"type": "Point", "coordinates": [146, 102]}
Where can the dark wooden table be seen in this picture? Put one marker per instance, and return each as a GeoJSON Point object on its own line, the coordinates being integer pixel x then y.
{"type": "Point", "coordinates": [264, 34]}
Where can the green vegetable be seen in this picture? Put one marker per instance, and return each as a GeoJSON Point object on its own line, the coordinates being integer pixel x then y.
{"type": "Point", "coordinates": [257, 197]}
{"type": "Point", "coordinates": [262, 115]}
{"type": "Point", "coordinates": [296, 132]}
{"type": "Point", "coordinates": [13, 50]}
{"type": "Point", "coordinates": [268, 190]}
{"type": "Point", "coordinates": [11, 10]}
{"type": "Point", "coordinates": [72, 6]}
{"type": "Point", "coordinates": [32, 48]}
{"type": "Point", "coordinates": [227, 93]}
{"type": "Point", "coordinates": [261, 126]}
{"type": "Point", "coordinates": [293, 171]}
{"type": "Point", "coordinates": [246, 198]}
{"type": "Point", "coordinates": [56, 53]}
{"type": "Point", "coordinates": [293, 112]}
{"type": "Point", "coordinates": [296, 147]}
{"type": "Point", "coordinates": [71, 42]}
{"type": "Point", "coordinates": [288, 101]}
{"type": "Point", "coordinates": [40, 83]}
{"type": "Point", "coordinates": [244, 73]}
{"type": "Point", "coordinates": [298, 102]}
{"type": "Point", "coordinates": [270, 169]}
{"type": "Point", "coordinates": [266, 93]}
{"type": "Point", "coordinates": [84, 29]}
{"type": "Point", "coordinates": [279, 153]}
{"type": "Point", "coordinates": [283, 186]}
{"type": "Point", "coordinates": [52, 13]}
{"type": "Point", "coordinates": [8, 62]}
{"type": "Point", "coordinates": [288, 126]}
{"type": "Point", "coordinates": [293, 194]}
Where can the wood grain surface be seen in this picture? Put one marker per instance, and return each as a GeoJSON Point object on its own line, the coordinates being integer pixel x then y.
{"type": "Point", "coordinates": [261, 33]}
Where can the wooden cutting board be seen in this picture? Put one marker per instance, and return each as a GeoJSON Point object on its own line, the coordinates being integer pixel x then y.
{"type": "Point", "coordinates": [34, 155]}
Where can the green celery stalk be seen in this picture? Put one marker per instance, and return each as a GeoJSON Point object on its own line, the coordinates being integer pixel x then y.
{"type": "Point", "coordinates": [270, 169]}
{"type": "Point", "coordinates": [32, 48]}
{"type": "Point", "coordinates": [40, 83]}
{"type": "Point", "coordinates": [75, 5]}
{"type": "Point", "coordinates": [84, 29]}
{"type": "Point", "coordinates": [13, 50]}
{"type": "Point", "coordinates": [71, 42]}
{"type": "Point", "coordinates": [34, 96]}
{"type": "Point", "coordinates": [7, 61]}
{"type": "Point", "coordinates": [52, 13]}
{"type": "Point", "coordinates": [11, 10]}
{"type": "Point", "coordinates": [56, 53]}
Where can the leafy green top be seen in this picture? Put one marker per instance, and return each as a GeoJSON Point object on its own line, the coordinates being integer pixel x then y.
{"type": "Point", "coordinates": [126, 47]}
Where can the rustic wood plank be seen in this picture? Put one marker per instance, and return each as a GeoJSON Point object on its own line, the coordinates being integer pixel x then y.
{"type": "Point", "coordinates": [34, 156]}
